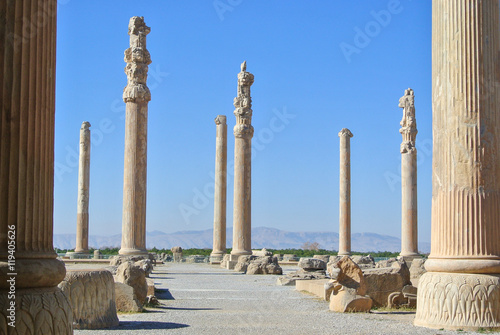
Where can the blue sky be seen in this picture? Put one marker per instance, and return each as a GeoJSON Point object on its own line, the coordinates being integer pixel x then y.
{"type": "Point", "coordinates": [318, 66]}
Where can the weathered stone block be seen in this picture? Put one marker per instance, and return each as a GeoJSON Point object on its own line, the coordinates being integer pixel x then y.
{"type": "Point", "coordinates": [92, 297]}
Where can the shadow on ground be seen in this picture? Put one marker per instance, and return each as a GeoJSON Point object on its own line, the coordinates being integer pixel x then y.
{"type": "Point", "coordinates": [191, 309]}
{"type": "Point", "coordinates": [148, 325]}
{"type": "Point", "coordinates": [164, 293]}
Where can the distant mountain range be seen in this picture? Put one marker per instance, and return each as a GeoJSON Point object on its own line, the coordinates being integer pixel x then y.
{"type": "Point", "coordinates": [262, 237]}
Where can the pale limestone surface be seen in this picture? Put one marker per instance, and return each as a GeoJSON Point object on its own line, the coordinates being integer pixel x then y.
{"type": "Point", "coordinates": [243, 133]}
{"type": "Point", "coordinates": [348, 291]}
{"type": "Point", "coordinates": [26, 170]}
{"type": "Point", "coordinates": [132, 275]}
{"type": "Point", "coordinates": [345, 193]}
{"type": "Point", "coordinates": [82, 216]}
{"type": "Point", "coordinates": [136, 96]}
{"type": "Point", "coordinates": [382, 282]}
{"type": "Point", "coordinates": [461, 289]}
{"type": "Point", "coordinates": [264, 265]}
{"type": "Point", "coordinates": [177, 254]}
{"type": "Point", "coordinates": [92, 297]}
{"type": "Point", "coordinates": [204, 299]}
{"type": "Point", "coordinates": [409, 223]}
{"type": "Point", "coordinates": [125, 299]}
{"type": "Point", "coordinates": [219, 243]}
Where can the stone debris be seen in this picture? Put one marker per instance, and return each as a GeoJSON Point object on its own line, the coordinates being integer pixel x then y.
{"type": "Point", "coordinates": [262, 252]}
{"type": "Point", "coordinates": [310, 268]}
{"type": "Point", "coordinates": [125, 299]}
{"type": "Point", "coordinates": [146, 265]}
{"type": "Point", "coordinates": [177, 254]}
{"type": "Point", "coordinates": [324, 258]}
{"type": "Point", "coordinates": [312, 264]}
{"type": "Point", "coordinates": [92, 297]}
{"type": "Point", "coordinates": [385, 263]}
{"type": "Point", "coordinates": [266, 265]}
{"type": "Point", "coordinates": [133, 275]}
{"type": "Point", "coordinates": [417, 269]}
{"type": "Point", "coordinates": [381, 282]}
{"type": "Point", "coordinates": [349, 289]}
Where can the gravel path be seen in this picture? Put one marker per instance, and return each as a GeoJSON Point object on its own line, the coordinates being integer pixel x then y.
{"type": "Point", "coordinates": [205, 299]}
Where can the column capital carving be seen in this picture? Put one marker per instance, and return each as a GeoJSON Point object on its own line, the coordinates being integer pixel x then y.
{"type": "Point", "coordinates": [85, 125]}
{"type": "Point", "coordinates": [408, 123]}
{"type": "Point", "coordinates": [243, 130]}
{"type": "Point", "coordinates": [220, 119]}
{"type": "Point", "coordinates": [345, 132]}
{"type": "Point", "coordinates": [137, 58]}
{"type": "Point", "coordinates": [243, 101]}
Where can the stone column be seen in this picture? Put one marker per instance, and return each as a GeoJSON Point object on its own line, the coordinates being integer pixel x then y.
{"type": "Point", "coordinates": [243, 133]}
{"type": "Point", "coordinates": [219, 247]}
{"type": "Point", "coordinates": [82, 218]}
{"type": "Point", "coordinates": [136, 96]}
{"type": "Point", "coordinates": [409, 233]}
{"type": "Point", "coordinates": [345, 193]}
{"type": "Point", "coordinates": [462, 287]}
{"type": "Point", "coordinates": [29, 269]}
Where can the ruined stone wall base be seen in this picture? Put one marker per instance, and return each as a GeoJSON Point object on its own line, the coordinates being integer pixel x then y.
{"type": "Point", "coordinates": [458, 301]}
{"type": "Point", "coordinates": [38, 311]}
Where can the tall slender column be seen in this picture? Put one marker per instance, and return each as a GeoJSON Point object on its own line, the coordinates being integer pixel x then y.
{"type": "Point", "coordinates": [82, 218]}
{"type": "Point", "coordinates": [345, 193]}
{"type": "Point", "coordinates": [219, 247]}
{"type": "Point", "coordinates": [243, 133]}
{"type": "Point", "coordinates": [29, 270]}
{"type": "Point", "coordinates": [136, 96]}
{"type": "Point", "coordinates": [462, 287]}
{"type": "Point", "coordinates": [409, 233]}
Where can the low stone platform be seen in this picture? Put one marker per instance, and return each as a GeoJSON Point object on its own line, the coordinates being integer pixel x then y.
{"type": "Point", "coordinates": [315, 286]}
{"type": "Point", "coordinates": [86, 261]}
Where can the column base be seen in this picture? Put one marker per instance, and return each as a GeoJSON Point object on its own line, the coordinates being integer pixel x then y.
{"type": "Point", "coordinates": [343, 254]}
{"type": "Point", "coordinates": [408, 258]}
{"type": "Point", "coordinates": [216, 258]}
{"type": "Point", "coordinates": [133, 252]}
{"type": "Point", "coordinates": [458, 301]}
{"type": "Point", "coordinates": [37, 311]}
{"type": "Point", "coordinates": [241, 252]}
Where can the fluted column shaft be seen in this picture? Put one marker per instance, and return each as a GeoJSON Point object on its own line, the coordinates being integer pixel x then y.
{"type": "Point", "coordinates": [466, 131]}
{"type": "Point", "coordinates": [243, 133]}
{"type": "Point", "coordinates": [462, 287]}
{"type": "Point", "coordinates": [27, 257]}
{"type": "Point", "coordinates": [345, 192]}
{"type": "Point", "coordinates": [82, 218]}
{"type": "Point", "coordinates": [136, 96]}
{"type": "Point", "coordinates": [219, 243]}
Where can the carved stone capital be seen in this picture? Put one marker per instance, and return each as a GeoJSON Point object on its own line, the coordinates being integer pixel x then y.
{"type": "Point", "coordinates": [243, 130]}
{"type": "Point", "coordinates": [85, 125]}
{"type": "Point", "coordinates": [408, 147]}
{"type": "Point", "coordinates": [243, 101]}
{"type": "Point", "coordinates": [408, 122]}
{"type": "Point", "coordinates": [345, 132]}
{"type": "Point", "coordinates": [220, 119]}
{"type": "Point", "coordinates": [137, 58]}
